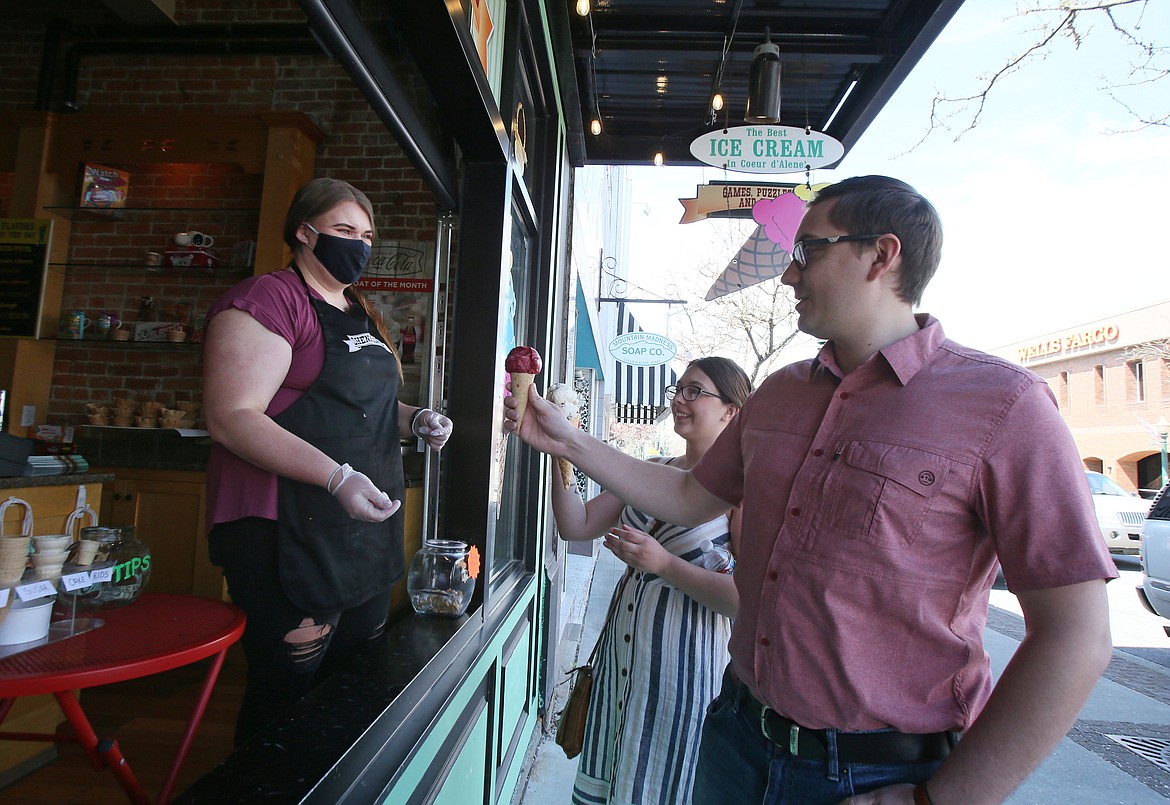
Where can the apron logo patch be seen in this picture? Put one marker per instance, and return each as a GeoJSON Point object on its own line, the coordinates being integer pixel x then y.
{"type": "Point", "coordinates": [926, 478]}
{"type": "Point", "coordinates": [360, 340]}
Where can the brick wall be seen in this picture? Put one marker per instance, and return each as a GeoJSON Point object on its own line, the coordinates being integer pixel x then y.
{"type": "Point", "coordinates": [106, 274]}
{"type": "Point", "coordinates": [1106, 421]}
{"type": "Point", "coordinates": [357, 148]}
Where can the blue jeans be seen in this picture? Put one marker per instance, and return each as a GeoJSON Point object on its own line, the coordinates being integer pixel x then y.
{"type": "Point", "coordinates": [738, 764]}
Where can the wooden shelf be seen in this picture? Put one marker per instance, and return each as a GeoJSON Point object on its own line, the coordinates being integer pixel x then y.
{"type": "Point", "coordinates": [107, 213]}
{"type": "Point", "coordinates": [133, 268]}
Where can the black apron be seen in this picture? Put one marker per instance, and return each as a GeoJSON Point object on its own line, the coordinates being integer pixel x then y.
{"type": "Point", "coordinates": [327, 560]}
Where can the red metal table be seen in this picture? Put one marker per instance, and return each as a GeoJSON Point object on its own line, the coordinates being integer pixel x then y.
{"type": "Point", "coordinates": [154, 634]}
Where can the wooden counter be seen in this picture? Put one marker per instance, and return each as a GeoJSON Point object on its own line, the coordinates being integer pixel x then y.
{"type": "Point", "coordinates": [53, 498]}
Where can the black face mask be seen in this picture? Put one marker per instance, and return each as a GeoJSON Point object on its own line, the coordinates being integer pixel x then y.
{"type": "Point", "coordinates": [344, 258]}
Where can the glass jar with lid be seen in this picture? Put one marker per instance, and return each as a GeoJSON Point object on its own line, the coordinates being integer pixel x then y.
{"type": "Point", "coordinates": [442, 577]}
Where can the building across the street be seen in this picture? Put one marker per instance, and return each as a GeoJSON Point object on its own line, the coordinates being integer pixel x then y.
{"type": "Point", "coordinates": [1112, 379]}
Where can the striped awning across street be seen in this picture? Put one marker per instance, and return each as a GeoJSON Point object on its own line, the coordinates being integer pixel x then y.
{"type": "Point", "coordinates": [639, 391]}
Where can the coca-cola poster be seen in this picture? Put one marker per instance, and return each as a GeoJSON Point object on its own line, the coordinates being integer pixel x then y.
{"type": "Point", "coordinates": [400, 280]}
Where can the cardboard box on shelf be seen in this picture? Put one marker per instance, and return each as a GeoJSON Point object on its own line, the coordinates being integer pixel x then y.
{"type": "Point", "coordinates": [152, 330]}
{"type": "Point", "coordinates": [103, 187]}
{"type": "Point", "coordinates": [189, 257]}
{"type": "Point", "coordinates": [244, 254]}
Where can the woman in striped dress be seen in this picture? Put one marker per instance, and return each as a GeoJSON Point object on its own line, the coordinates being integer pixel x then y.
{"type": "Point", "coordinates": [664, 647]}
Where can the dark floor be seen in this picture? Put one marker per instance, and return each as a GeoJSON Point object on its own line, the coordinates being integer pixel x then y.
{"type": "Point", "coordinates": [147, 716]}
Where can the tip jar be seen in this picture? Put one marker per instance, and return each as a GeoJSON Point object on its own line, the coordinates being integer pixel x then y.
{"type": "Point", "coordinates": [441, 580]}
{"type": "Point", "coordinates": [120, 568]}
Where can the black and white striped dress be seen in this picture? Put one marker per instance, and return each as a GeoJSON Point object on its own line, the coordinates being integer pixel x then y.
{"type": "Point", "coordinates": [658, 666]}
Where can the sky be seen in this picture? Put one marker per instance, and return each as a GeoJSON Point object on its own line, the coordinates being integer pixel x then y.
{"type": "Point", "coordinates": [1053, 207]}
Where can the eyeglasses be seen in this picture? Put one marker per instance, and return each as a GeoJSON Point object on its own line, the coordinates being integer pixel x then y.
{"type": "Point", "coordinates": [688, 393]}
{"type": "Point", "coordinates": [800, 248]}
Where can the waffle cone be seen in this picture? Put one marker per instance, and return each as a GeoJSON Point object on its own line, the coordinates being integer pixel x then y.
{"type": "Point", "coordinates": [566, 468]}
{"type": "Point", "coordinates": [521, 382]}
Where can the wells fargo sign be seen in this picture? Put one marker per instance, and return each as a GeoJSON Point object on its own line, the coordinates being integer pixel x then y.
{"type": "Point", "coordinates": [1070, 343]}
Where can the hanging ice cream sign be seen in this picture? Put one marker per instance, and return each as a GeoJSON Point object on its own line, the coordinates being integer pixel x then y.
{"type": "Point", "coordinates": [767, 149]}
{"type": "Point", "coordinates": [642, 349]}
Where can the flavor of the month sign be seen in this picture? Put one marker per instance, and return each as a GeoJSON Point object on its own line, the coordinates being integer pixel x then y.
{"type": "Point", "coordinates": [24, 250]}
{"type": "Point", "coordinates": [400, 279]}
{"type": "Point", "coordinates": [767, 149]}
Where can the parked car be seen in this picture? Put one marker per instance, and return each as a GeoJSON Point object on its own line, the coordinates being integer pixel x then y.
{"type": "Point", "coordinates": [1155, 589]}
{"type": "Point", "coordinates": [1120, 514]}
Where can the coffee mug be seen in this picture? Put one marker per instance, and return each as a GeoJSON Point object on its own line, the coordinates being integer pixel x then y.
{"type": "Point", "coordinates": [73, 325]}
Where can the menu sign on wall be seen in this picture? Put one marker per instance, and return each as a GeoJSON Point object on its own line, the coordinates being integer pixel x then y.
{"type": "Point", "coordinates": [24, 250]}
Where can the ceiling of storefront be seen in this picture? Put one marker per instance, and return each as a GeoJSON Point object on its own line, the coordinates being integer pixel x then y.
{"type": "Point", "coordinates": [648, 68]}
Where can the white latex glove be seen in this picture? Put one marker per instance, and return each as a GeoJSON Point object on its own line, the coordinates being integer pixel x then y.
{"type": "Point", "coordinates": [433, 428]}
{"type": "Point", "coordinates": [361, 499]}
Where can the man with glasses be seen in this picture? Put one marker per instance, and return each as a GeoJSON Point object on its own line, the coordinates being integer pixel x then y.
{"type": "Point", "coordinates": [881, 483]}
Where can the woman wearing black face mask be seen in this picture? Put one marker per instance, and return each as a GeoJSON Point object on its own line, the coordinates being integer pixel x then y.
{"type": "Point", "coordinates": [305, 479]}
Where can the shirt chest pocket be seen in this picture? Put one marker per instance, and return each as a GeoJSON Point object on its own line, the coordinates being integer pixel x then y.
{"type": "Point", "coordinates": [881, 493]}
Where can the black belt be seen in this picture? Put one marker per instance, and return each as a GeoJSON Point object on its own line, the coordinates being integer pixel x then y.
{"type": "Point", "coordinates": [852, 747]}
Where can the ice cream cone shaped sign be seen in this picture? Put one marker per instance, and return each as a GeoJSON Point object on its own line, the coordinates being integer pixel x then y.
{"type": "Point", "coordinates": [523, 364]}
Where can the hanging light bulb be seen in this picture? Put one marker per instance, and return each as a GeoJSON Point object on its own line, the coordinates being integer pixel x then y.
{"type": "Point", "coordinates": [658, 160]}
{"type": "Point", "coordinates": [763, 104]}
{"type": "Point", "coordinates": [595, 127]}
{"type": "Point", "coordinates": [717, 101]}
{"type": "Point", "coordinates": [583, 8]}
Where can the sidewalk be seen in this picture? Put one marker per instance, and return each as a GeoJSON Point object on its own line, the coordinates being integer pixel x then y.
{"type": "Point", "coordinates": [1118, 752]}
{"type": "Point", "coordinates": [590, 582]}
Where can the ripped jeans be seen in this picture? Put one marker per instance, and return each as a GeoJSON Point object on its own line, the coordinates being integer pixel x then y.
{"type": "Point", "coordinates": [288, 651]}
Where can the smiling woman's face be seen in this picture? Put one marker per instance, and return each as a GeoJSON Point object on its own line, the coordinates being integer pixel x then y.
{"type": "Point", "coordinates": [705, 416]}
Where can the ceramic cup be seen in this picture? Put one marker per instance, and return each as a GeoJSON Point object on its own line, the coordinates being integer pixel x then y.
{"type": "Point", "coordinates": [176, 336]}
{"type": "Point", "coordinates": [119, 335]}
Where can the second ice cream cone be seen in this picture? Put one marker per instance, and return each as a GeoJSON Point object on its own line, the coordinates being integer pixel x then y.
{"type": "Point", "coordinates": [521, 382]}
{"type": "Point", "coordinates": [566, 468]}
